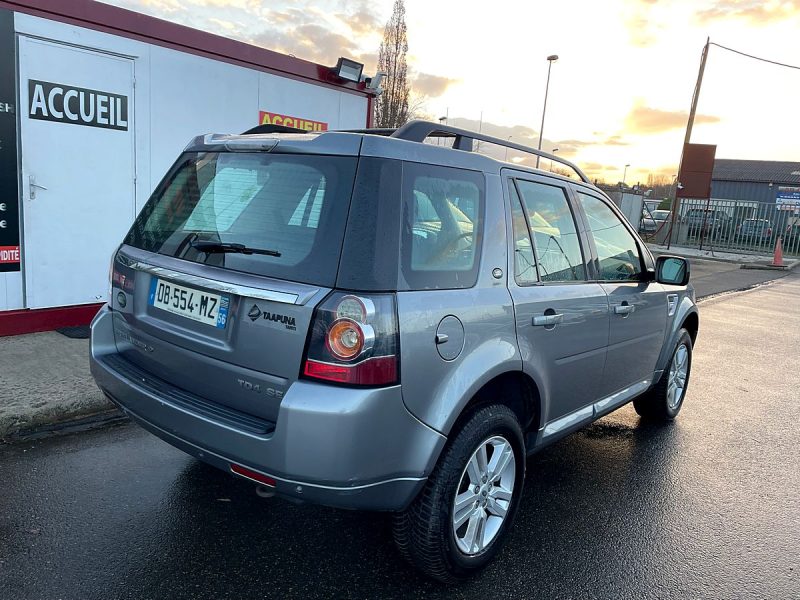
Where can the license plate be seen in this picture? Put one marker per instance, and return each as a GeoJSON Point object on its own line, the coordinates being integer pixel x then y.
{"type": "Point", "coordinates": [203, 307]}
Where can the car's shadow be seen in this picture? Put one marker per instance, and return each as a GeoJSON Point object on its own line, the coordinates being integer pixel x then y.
{"type": "Point", "coordinates": [591, 507]}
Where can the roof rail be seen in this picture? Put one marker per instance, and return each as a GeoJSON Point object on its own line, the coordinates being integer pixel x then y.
{"type": "Point", "coordinates": [386, 131]}
{"type": "Point", "coordinates": [418, 131]}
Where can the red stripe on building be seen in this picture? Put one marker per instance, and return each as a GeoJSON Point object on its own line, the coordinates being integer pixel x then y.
{"type": "Point", "coordinates": [16, 322]}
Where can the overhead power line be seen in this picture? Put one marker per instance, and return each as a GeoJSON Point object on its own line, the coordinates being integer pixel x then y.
{"type": "Point", "coordinates": [774, 62]}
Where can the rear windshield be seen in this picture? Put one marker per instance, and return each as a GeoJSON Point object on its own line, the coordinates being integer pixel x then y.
{"type": "Point", "coordinates": [278, 215]}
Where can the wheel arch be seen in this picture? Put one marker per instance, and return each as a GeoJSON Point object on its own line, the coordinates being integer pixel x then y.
{"type": "Point", "coordinates": [515, 389]}
{"type": "Point", "coordinates": [691, 323]}
{"type": "Point", "coordinates": [686, 317]}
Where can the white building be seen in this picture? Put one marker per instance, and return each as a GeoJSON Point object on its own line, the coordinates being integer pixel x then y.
{"type": "Point", "coordinates": [96, 103]}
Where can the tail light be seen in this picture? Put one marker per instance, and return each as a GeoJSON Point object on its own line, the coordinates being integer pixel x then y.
{"type": "Point", "coordinates": [112, 275]}
{"type": "Point", "coordinates": [354, 340]}
{"type": "Point", "coordinates": [121, 280]}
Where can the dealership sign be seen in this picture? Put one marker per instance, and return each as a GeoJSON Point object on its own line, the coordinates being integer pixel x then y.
{"type": "Point", "coordinates": [268, 118]}
{"type": "Point", "coordinates": [788, 197]}
{"type": "Point", "coordinates": [80, 106]}
{"type": "Point", "coordinates": [9, 189]}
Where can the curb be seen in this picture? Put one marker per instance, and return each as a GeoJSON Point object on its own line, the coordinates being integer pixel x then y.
{"type": "Point", "coordinates": [695, 253]}
{"type": "Point", "coordinates": [768, 267]}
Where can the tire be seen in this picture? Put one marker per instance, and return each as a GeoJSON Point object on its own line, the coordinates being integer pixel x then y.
{"type": "Point", "coordinates": [660, 402]}
{"type": "Point", "coordinates": [425, 532]}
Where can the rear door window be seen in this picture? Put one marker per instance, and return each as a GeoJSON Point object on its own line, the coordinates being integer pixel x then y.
{"type": "Point", "coordinates": [555, 236]}
{"type": "Point", "coordinates": [442, 226]}
{"type": "Point", "coordinates": [267, 214]}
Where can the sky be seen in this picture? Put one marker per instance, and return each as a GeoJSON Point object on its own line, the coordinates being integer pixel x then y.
{"type": "Point", "coordinates": [619, 93]}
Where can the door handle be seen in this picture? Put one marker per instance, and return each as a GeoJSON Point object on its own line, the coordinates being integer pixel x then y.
{"type": "Point", "coordinates": [624, 309]}
{"type": "Point", "coordinates": [33, 185]}
{"type": "Point", "coordinates": [547, 320]}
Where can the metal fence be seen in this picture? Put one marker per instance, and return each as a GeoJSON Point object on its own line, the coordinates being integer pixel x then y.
{"type": "Point", "coordinates": [732, 225]}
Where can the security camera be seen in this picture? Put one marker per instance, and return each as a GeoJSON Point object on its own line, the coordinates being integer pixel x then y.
{"type": "Point", "coordinates": [374, 82]}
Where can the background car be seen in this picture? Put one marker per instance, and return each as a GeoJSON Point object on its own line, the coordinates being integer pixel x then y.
{"type": "Point", "coordinates": [708, 222]}
{"type": "Point", "coordinates": [754, 230]}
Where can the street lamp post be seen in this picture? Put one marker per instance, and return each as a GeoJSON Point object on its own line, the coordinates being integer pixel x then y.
{"type": "Point", "coordinates": [550, 60]}
{"type": "Point", "coordinates": [624, 173]}
{"type": "Point", "coordinates": [508, 140]}
{"type": "Point", "coordinates": [442, 121]}
{"type": "Point", "coordinates": [553, 152]}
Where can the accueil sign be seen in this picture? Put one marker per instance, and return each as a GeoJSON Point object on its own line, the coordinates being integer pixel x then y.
{"type": "Point", "coordinates": [80, 106]}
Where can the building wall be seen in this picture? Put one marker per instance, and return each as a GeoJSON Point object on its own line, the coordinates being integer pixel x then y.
{"type": "Point", "coordinates": [178, 96]}
{"type": "Point", "coordinates": [743, 190]}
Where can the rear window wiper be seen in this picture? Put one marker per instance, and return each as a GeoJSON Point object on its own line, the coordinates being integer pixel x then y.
{"type": "Point", "coordinates": [214, 247]}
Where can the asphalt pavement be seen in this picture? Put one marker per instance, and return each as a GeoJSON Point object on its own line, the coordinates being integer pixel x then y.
{"type": "Point", "coordinates": [711, 277]}
{"type": "Point", "coordinates": [705, 507]}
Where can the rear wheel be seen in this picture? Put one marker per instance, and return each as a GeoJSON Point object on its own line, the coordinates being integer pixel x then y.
{"type": "Point", "coordinates": [665, 399]}
{"type": "Point", "coordinates": [460, 519]}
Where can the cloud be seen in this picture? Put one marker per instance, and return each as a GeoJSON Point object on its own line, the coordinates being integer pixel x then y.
{"type": "Point", "coordinates": [596, 167]}
{"type": "Point", "coordinates": [757, 12]}
{"type": "Point", "coordinates": [431, 86]}
{"type": "Point", "coordinates": [646, 120]}
{"type": "Point", "coordinates": [224, 25]}
{"type": "Point", "coordinates": [567, 148]}
{"type": "Point", "coordinates": [306, 39]}
{"type": "Point", "coordinates": [615, 140]}
{"type": "Point", "coordinates": [362, 21]}
{"type": "Point", "coordinates": [299, 28]}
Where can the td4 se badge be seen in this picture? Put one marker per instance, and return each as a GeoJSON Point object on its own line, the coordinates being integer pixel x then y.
{"type": "Point", "coordinates": [271, 318]}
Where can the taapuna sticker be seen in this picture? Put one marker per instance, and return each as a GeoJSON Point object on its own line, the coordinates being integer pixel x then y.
{"type": "Point", "coordinates": [64, 103]}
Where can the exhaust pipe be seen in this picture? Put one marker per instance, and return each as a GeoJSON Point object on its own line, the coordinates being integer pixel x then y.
{"type": "Point", "coordinates": [262, 491]}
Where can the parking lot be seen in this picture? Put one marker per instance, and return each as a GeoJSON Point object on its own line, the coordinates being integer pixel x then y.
{"type": "Point", "coordinates": [706, 507]}
{"type": "Point", "coordinates": [711, 277]}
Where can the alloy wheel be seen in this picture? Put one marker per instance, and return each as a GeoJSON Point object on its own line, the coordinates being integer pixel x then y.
{"type": "Point", "coordinates": [678, 372]}
{"type": "Point", "coordinates": [484, 495]}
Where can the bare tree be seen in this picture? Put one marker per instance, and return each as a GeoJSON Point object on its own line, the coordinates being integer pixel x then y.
{"type": "Point", "coordinates": [391, 109]}
{"type": "Point", "coordinates": [662, 185]}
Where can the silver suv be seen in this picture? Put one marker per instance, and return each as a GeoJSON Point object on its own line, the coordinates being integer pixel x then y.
{"type": "Point", "coordinates": [364, 320]}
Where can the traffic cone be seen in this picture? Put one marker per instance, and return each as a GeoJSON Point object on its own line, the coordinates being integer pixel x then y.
{"type": "Point", "coordinates": [777, 259]}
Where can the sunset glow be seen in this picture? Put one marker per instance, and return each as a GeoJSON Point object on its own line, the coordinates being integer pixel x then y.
{"type": "Point", "coordinates": [619, 93]}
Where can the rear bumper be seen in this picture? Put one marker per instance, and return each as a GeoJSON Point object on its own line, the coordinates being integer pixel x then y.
{"type": "Point", "coordinates": [351, 448]}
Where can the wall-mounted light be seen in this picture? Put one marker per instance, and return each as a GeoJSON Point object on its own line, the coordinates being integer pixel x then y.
{"type": "Point", "coordinates": [349, 70]}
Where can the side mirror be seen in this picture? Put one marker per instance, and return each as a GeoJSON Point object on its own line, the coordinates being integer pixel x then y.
{"type": "Point", "coordinates": [672, 270]}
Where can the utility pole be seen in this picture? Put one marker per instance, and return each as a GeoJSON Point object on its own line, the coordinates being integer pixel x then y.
{"type": "Point", "coordinates": [696, 96]}
{"type": "Point", "coordinates": [688, 137]}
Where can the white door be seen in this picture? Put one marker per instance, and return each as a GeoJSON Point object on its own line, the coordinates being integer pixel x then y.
{"type": "Point", "coordinates": [78, 169]}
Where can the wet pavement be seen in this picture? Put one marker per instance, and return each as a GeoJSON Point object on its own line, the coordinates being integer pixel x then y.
{"type": "Point", "coordinates": [711, 277]}
{"type": "Point", "coordinates": [706, 507]}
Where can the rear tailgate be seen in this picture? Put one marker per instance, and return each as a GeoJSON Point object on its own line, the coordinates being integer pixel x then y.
{"type": "Point", "coordinates": [246, 359]}
{"type": "Point", "coordinates": [215, 286]}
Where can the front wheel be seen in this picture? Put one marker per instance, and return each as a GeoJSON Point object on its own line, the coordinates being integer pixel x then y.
{"type": "Point", "coordinates": [664, 401]}
{"type": "Point", "coordinates": [460, 519]}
